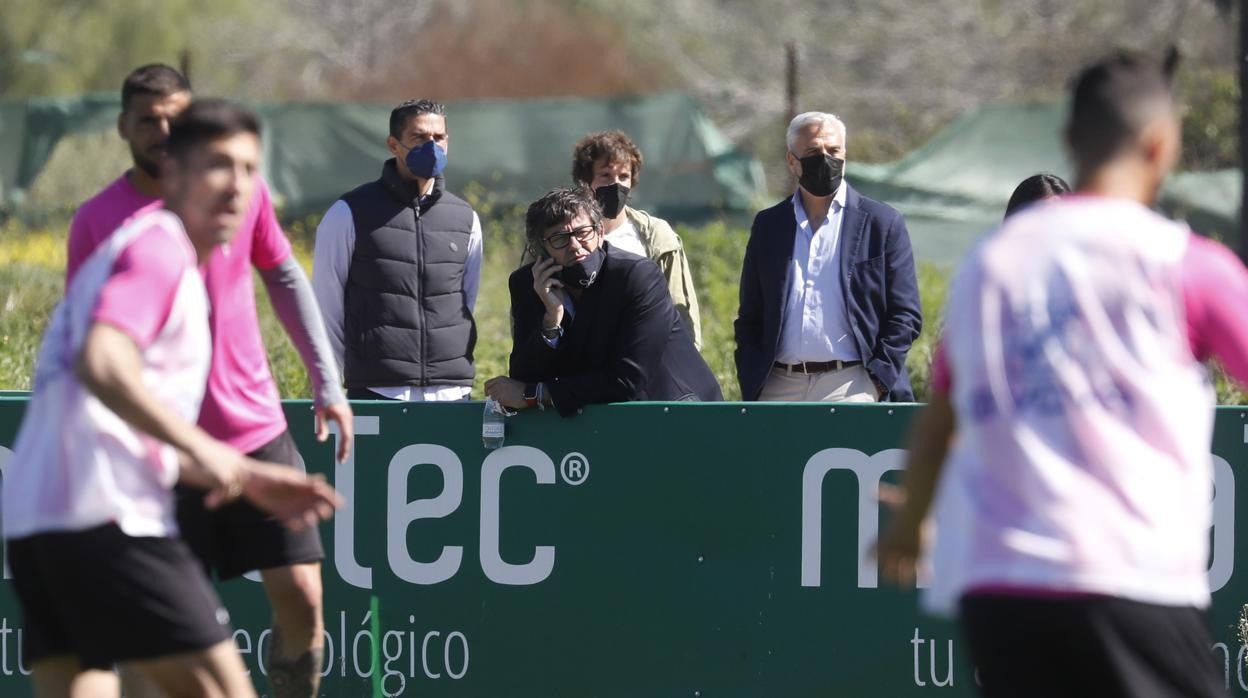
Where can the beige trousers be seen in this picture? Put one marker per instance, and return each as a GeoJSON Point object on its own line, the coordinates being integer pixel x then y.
{"type": "Point", "coordinates": [850, 384]}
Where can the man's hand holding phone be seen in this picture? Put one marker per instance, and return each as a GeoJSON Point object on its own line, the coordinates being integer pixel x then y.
{"type": "Point", "coordinates": [549, 288]}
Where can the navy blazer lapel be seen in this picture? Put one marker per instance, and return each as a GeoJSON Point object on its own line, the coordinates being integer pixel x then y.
{"type": "Point", "coordinates": [853, 222]}
{"type": "Point", "coordinates": [781, 262]}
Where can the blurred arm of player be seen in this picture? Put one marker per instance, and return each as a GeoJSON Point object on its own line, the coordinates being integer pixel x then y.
{"type": "Point", "coordinates": [1214, 286]}
{"type": "Point", "coordinates": [110, 366]}
{"type": "Point", "coordinates": [291, 295]}
{"type": "Point", "coordinates": [899, 547]}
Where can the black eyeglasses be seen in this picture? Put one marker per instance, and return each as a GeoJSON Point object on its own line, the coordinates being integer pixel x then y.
{"type": "Point", "coordinates": [562, 240]}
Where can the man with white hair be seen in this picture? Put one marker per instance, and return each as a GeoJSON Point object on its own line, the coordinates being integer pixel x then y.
{"type": "Point", "coordinates": [829, 298]}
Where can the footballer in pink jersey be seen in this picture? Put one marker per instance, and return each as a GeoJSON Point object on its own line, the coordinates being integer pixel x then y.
{"type": "Point", "coordinates": [241, 405]}
{"type": "Point", "coordinates": [102, 578]}
{"type": "Point", "coordinates": [1073, 509]}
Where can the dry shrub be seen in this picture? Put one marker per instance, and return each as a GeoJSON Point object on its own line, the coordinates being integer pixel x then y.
{"type": "Point", "coordinates": [507, 49]}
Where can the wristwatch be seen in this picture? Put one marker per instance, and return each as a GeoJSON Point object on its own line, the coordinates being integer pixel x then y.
{"type": "Point", "coordinates": [530, 394]}
{"type": "Point", "coordinates": [552, 332]}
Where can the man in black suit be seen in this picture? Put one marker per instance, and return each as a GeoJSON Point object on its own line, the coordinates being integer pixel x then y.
{"type": "Point", "coordinates": [829, 297]}
{"type": "Point", "coordinates": [592, 323]}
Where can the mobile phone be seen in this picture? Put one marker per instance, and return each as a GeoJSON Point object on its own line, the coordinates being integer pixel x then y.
{"type": "Point", "coordinates": [542, 254]}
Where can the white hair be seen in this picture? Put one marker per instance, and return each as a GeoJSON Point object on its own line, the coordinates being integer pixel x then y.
{"type": "Point", "coordinates": [809, 118]}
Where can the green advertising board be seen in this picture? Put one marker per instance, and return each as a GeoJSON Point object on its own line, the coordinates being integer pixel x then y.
{"type": "Point", "coordinates": [642, 551]}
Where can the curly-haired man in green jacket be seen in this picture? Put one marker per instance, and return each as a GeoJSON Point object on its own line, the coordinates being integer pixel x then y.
{"type": "Point", "coordinates": [609, 162]}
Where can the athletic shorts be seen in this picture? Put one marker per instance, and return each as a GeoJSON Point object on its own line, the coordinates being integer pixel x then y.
{"type": "Point", "coordinates": [105, 597]}
{"type": "Point", "coordinates": [1088, 646]}
{"type": "Point", "coordinates": [238, 537]}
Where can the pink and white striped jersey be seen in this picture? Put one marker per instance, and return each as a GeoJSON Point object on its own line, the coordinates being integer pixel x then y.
{"type": "Point", "coordinates": [242, 406]}
{"type": "Point", "coordinates": [1071, 354]}
{"type": "Point", "coordinates": [76, 464]}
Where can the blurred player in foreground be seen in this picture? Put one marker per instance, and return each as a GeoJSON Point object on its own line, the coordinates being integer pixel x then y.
{"type": "Point", "coordinates": [1072, 521]}
{"type": "Point", "coordinates": [88, 508]}
{"type": "Point", "coordinates": [241, 406]}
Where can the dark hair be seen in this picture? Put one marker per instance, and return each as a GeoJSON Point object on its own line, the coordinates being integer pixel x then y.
{"type": "Point", "coordinates": [1114, 99]}
{"type": "Point", "coordinates": [1035, 188]}
{"type": "Point", "coordinates": [208, 120]}
{"type": "Point", "coordinates": [412, 108]}
{"type": "Point", "coordinates": [561, 205]}
{"type": "Point", "coordinates": [153, 79]}
{"type": "Point", "coordinates": [613, 146]}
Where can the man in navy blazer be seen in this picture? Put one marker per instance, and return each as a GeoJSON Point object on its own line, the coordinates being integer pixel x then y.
{"type": "Point", "coordinates": [592, 323]}
{"type": "Point", "coordinates": [829, 298]}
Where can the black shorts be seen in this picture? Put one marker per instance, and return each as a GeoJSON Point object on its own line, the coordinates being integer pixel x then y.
{"type": "Point", "coordinates": [1089, 646]}
{"type": "Point", "coordinates": [105, 597]}
{"type": "Point", "coordinates": [238, 537]}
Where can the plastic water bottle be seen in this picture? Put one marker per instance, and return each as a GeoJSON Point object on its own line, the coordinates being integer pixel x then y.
{"type": "Point", "coordinates": [493, 424]}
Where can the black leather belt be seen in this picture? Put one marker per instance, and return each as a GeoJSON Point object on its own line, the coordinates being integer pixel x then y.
{"type": "Point", "coordinates": [817, 366]}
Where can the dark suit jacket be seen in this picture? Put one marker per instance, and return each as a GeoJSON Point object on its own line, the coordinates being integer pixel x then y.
{"type": "Point", "coordinates": [625, 342]}
{"type": "Point", "coordinates": [877, 274]}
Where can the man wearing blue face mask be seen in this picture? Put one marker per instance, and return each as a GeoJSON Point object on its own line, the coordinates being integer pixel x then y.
{"type": "Point", "coordinates": [396, 271]}
{"type": "Point", "coordinates": [829, 296]}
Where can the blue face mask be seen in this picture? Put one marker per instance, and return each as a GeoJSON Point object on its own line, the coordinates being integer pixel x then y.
{"type": "Point", "coordinates": [426, 161]}
{"type": "Point", "coordinates": [583, 273]}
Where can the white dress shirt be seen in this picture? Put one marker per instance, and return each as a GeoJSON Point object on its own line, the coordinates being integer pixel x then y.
{"type": "Point", "coordinates": [815, 322]}
{"type": "Point", "coordinates": [335, 244]}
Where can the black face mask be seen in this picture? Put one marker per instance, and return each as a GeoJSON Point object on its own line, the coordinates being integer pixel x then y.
{"type": "Point", "coordinates": [612, 198]}
{"type": "Point", "coordinates": [583, 273]}
{"type": "Point", "coordinates": [821, 174]}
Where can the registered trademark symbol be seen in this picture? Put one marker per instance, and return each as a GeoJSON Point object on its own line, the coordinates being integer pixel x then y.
{"type": "Point", "coordinates": [574, 468]}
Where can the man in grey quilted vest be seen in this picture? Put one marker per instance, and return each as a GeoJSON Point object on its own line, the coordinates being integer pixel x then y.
{"type": "Point", "coordinates": [396, 271]}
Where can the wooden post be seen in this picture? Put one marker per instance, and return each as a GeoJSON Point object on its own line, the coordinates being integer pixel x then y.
{"type": "Point", "coordinates": [790, 79]}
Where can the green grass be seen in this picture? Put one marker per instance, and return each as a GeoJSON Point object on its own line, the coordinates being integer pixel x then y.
{"type": "Point", "coordinates": [27, 294]}
{"type": "Point", "coordinates": [32, 263]}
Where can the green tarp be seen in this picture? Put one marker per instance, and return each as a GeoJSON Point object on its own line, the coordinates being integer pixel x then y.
{"type": "Point", "coordinates": [955, 187]}
{"type": "Point", "coordinates": [516, 150]}
{"type": "Point", "coordinates": [952, 190]}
